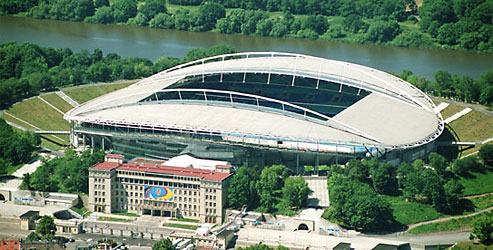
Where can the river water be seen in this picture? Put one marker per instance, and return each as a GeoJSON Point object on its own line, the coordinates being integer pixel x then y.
{"type": "Point", "coordinates": [153, 43]}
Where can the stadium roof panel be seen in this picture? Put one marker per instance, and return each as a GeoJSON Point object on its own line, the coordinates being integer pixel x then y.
{"type": "Point", "coordinates": [395, 114]}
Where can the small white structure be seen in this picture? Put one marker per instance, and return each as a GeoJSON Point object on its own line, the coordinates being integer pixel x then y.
{"type": "Point", "coordinates": [187, 161]}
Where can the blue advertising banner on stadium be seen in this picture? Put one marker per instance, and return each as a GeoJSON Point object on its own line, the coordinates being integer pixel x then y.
{"type": "Point", "coordinates": [161, 193]}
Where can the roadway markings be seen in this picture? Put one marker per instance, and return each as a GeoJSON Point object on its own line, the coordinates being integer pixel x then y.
{"type": "Point", "coordinates": [457, 115]}
{"type": "Point", "coordinates": [67, 98]}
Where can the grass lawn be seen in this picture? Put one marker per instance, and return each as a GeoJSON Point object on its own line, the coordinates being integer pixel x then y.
{"type": "Point", "coordinates": [58, 102]}
{"type": "Point", "coordinates": [128, 214]}
{"type": "Point", "coordinates": [39, 114]}
{"type": "Point", "coordinates": [112, 87]}
{"type": "Point", "coordinates": [83, 94]}
{"type": "Point", "coordinates": [48, 144]}
{"type": "Point", "coordinates": [450, 225]}
{"type": "Point", "coordinates": [482, 202]}
{"type": "Point", "coordinates": [451, 110]}
{"type": "Point", "coordinates": [473, 150]}
{"type": "Point", "coordinates": [104, 218]}
{"type": "Point", "coordinates": [411, 212]}
{"type": "Point", "coordinates": [470, 245]}
{"type": "Point", "coordinates": [480, 184]}
{"type": "Point", "coordinates": [185, 220]}
{"type": "Point", "coordinates": [474, 126]}
{"type": "Point", "coordinates": [82, 211]}
{"type": "Point", "coordinates": [184, 226]}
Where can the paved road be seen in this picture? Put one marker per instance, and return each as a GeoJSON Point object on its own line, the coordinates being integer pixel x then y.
{"type": "Point", "coordinates": [429, 239]}
{"type": "Point", "coordinates": [477, 107]}
{"type": "Point", "coordinates": [320, 195]}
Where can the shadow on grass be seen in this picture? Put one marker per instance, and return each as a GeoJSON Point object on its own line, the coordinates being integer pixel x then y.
{"type": "Point", "coordinates": [450, 152]}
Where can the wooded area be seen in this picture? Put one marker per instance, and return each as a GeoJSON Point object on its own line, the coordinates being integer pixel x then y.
{"type": "Point", "coordinates": [355, 189]}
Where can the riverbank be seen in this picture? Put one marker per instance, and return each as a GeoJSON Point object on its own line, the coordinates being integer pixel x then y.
{"type": "Point", "coordinates": [135, 41]}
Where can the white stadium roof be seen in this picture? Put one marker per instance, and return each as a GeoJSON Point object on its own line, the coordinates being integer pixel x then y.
{"type": "Point", "coordinates": [394, 115]}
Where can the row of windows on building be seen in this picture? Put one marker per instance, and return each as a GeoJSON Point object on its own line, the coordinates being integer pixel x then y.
{"type": "Point", "coordinates": [144, 174]}
{"type": "Point", "coordinates": [158, 183]}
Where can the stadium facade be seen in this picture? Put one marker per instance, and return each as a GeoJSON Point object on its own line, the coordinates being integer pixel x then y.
{"type": "Point", "coordinates": [262, 108]}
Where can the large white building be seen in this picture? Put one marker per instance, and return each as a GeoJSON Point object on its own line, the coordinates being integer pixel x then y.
{"type": "Point", "coordinates": [263, 108]}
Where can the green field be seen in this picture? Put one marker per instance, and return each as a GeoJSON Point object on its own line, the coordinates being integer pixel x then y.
{"type": "Point", "coordinates": [450, 225]}
{"type": "Point", "coordinates": [39, 114]}
{"type": "Point", "coordinates": [482, 202]}
{"type": "Point", "coordinates": [104, 218]}
{"type": "Point", "coordinates": [185, 220]}
{"type": "Point", "coordinates": [83, 94]}
{"type": "Point", "coordinates": [474, 126]}
{"type": "Point", "coordinates": [408, 213]}
{"type": "Point", "coordinates": [184, 226]}
{"type": "Point", "coordinates": [451, 110]}
{"type": "Point", "coordinates": [128, 214]}
{"type": "Point", "coordinates": [58, 102]}
{"type": "Point", "coordinates": [470, 245]}
{"type": "Point", "coordinates": [480, 184]}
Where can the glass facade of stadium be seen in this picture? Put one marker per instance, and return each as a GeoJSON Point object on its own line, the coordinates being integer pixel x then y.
{"type": "Point", "coordinates": [254, 91]}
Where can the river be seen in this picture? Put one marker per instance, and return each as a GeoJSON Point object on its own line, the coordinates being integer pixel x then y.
{"type": "Point", "coordinates": [153, 43]}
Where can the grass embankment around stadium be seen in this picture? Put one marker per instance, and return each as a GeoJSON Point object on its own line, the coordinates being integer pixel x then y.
{"type": "Point", "coordinates": [58, 102]}
{"type": "Point", "coordinates": [90, 92]}
{"type": "Point", "coordinates": [35, 114]}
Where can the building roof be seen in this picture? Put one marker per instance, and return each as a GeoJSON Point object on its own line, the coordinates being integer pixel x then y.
{"type": "Point", "coordinates": [115, 156]}
{"type": "Point", "coordinates": [29, 214]}
{"type": "Point", "coordinates": [161, 169]}
{"type": "Point", "coordinates": [9, 244]}
{"type": "Point", "coordinates": [342, 246]}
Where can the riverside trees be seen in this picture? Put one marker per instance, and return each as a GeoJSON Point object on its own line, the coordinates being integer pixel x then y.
{"type": "Point", "coordinates": [452, 24]}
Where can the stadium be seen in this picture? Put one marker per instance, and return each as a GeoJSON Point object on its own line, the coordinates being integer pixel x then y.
{"type": "Point", "coordinates": [262, 108]}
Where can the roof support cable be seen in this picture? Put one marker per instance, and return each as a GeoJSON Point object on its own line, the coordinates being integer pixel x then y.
{"type": "Point", "coordinates": [319, 72]}
{"type": "Point", "coordinates": [295, 70]}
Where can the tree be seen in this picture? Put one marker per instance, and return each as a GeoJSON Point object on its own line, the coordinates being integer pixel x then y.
{"type": "Point", "coordinates": [486, 154]}
{"type": "Point", "coordinates": [46, 226]}
{"type": "Point", "coordinates": [356, 205]}
{"type": "Point", "coordinates": [483, 228]}
{"type": "Point", "coordinates": [354, 24]}
{"type": "Point", "coordinates": [182, 19]}
{"type": "Point", "coordinates": [382, 31]}
{"type": "Point", "coordinates": [279, 29]}
{"type": "Point", "coordinates": [438, 162]}
{"type": "Point", "coordinates": [124, 9]}
{"type": "Point", "coordinates": [242, 189]}
{"type": "Point", "coordinates": [316, 23]}
{"type": "Point", "coordinates": [164, 244]}
{"type": "Point", "coordinates": [103, 15]}
{"type": "Point", "coordinates": [151, 8]}
{"type": "Point", "coordinates": [355, 169]}
{"type": "Point", "coordinates": [33, 237]}
{"type": "Point", "coordinates": [209, 13]}
{"type": "Point", "coordinates": [384, 179]}
{"type": "Point", "coordinates": [163, 21]}
{"type": "Point", "coordinates": [295, 192]}
{"type": "Point", "coordinates": [264, 27]}
{"type": "Point", "coordinates": [99, 72]}
{"type": "Point", "coordinates": [269, 186]}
